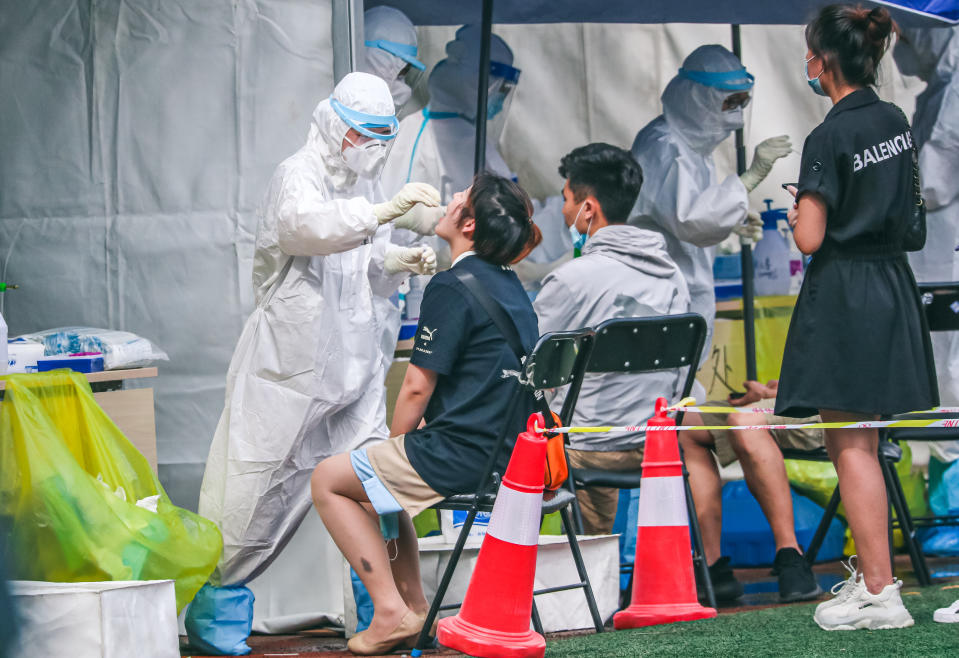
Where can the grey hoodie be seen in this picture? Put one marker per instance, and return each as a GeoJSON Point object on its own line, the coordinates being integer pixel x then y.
{"type": "Point", "coordinates": [625, 271]}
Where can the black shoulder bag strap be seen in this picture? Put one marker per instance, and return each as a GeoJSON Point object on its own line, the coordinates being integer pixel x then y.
{"type": "Point", "coordinates": [506, 327]}
{"type": "Point", "coordinates": [914, 236]}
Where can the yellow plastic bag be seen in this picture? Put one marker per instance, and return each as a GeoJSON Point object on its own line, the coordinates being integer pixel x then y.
{"type": "Point", "coordinates": [83, 503]}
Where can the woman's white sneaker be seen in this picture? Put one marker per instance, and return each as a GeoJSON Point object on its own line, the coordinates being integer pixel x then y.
{"type": "Point", "coordinates": [861, 609]}
{"type": "Point", "coordinates": [842, 590]}
{"type": "Point", "coordinates": [948, 615]}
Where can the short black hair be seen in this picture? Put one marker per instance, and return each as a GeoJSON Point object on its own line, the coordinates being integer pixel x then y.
{"type": "Point", "coordinates": [607, 172]}
{"type": "Point", "coordinates": [503, 213]}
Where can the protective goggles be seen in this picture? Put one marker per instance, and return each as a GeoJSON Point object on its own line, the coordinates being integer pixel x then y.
{"type": "Point", "coordinates": [736, 101]}
{"type": "Point", "coordinates": [738, 80]}
{"type": "Point", "coordinates": [404, 51]}
{"type": "Point", "coordinates": [362, 123]}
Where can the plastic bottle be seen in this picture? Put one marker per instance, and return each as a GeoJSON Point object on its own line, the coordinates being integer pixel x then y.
{"type": "Point", "coordinates": [797, 262]}
{"type": "Point", "coordinates": [771, 255]}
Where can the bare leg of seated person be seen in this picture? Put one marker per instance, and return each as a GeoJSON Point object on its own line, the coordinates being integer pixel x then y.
{"type": "Point", "coordinates": [765, 472]}
{"type": "Point", "coordinates": [339, 496]}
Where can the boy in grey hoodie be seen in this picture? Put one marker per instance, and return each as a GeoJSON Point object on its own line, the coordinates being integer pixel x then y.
{"type": "Point", "coordinates": [624, 271]}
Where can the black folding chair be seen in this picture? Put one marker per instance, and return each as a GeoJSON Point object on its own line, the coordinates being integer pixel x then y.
{"type": "Point", "coordinates": [636, 346]}
{"type": "Point", "coordinates": [557, 359]}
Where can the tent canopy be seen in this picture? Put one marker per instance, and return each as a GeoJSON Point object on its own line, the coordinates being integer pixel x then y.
{"type": "Point", "coordinates": [796, 12]}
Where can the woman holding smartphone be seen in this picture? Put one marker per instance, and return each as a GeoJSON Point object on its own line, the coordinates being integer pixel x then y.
{"type": "Point", "coordinates": [857, 345]}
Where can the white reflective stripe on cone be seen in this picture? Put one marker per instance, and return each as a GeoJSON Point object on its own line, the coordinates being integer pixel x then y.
{"type": "Point", "coordinates": [515, 517]}
{"type": "Point", "coordinates": [662, 502]}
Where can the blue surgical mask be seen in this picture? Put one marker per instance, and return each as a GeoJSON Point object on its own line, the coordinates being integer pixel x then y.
{"type": "Point", "coordinates": [814, 83]}
{"type": "Point", "coordinates": [579, 239]}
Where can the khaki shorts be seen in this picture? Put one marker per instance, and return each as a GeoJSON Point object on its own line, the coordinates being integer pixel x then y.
{"type": "Point", "coordinates": [389, 461]}
{"type": "Point", "coordinates": [785, 439]}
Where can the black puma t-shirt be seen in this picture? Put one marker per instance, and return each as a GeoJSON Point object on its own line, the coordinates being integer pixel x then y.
{"type": "Point", "coordinates": [457, 339]}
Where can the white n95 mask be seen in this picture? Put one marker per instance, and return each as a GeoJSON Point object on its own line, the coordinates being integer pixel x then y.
{"type": "Point", "coordinates": [367, 160]}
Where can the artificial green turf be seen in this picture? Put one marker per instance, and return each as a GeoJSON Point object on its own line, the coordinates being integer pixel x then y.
{"type": "Point", "coordinates": [780, 631]}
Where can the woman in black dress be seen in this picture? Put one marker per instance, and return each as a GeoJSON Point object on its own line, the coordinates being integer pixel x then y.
{"type": "Point", "coordinates": [858, 344]}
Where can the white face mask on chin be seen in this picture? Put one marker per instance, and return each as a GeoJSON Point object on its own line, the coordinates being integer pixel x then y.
{"type": "Point", "coordinates": [732, 120]}
{"type": "Point", "coordinates": [366, 160]}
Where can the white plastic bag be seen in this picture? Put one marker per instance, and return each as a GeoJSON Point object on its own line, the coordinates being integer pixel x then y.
{"type": "Point", "coordinates": [120, 349]}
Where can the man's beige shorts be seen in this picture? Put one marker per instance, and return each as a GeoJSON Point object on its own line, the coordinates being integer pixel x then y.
{"type": "Point", "coordinates": [785, 439]}
{"type": "Point", "coordinates": [389, 462]}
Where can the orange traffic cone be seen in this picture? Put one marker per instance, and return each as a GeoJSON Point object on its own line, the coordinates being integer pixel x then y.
{"type": "Point", "coordinates": [494, 620]}
{"type": "Point", "coordinates": [664, 588]}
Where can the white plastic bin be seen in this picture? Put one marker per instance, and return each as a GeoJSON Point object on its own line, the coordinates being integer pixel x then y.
{"type": "Point", "coordinates": [119, 619]}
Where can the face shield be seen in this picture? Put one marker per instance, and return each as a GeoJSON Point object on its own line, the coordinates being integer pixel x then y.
{"type": "Point", "coordinates": [502, 83]}
{"type": "Point", "coordinates": [410, 68]}
{"type": "Point", "coordinates": [368, 149]}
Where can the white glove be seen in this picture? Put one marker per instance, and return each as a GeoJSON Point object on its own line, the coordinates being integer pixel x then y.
{"type": "Point", "coordinates": [421, 219]}
{"type": "Point", "coordinates": [767, 152]}
{"type": "Point", "coordinates": [416, 260]}
{"type": "Point", "coordinates": [409, 196]}
{"type": "Point", "coordinates": [751, 230]}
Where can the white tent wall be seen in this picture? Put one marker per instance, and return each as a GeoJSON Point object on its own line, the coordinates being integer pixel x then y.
{"type": "Point", "coordinates": [137, 139]}
{"type": "Point", "coordinates": [602, 82]}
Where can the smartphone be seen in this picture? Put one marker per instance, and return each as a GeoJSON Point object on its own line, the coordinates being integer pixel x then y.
{"type": "Point", "coordinates": [735, 395]}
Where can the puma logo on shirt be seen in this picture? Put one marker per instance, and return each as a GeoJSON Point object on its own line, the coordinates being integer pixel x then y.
{"type": "Point", "coordinates": [882, 151]}
{"type": "Point", "coordinates": [427, 333]}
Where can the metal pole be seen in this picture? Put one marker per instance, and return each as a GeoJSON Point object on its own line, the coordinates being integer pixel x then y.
{"type": "Point", "coordinates": [347, 33]}
{"type": "Point", "coordinates": [749, 320]}
{"type": "Point", "coordinates": [482, 88]}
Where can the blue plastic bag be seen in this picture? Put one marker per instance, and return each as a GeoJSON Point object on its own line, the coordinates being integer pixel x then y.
{"type": "Point", "coordinates": [748, 539]}
{"type": "Point", "coordinates": [625, 525]}
{"type": "Point", "coordinates": [220, 619]}
{"type": "Point", "coordinates": [943, 499]}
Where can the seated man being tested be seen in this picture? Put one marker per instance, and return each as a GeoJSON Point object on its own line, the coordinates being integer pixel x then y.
{"type": "Point", "coordinates": [624, 271]}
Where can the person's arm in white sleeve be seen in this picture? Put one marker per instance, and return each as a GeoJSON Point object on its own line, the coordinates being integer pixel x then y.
{"type": "Point", "coordinates": [701, 217]}
{"type": "Point", "coordinates": [939, 156]}
{"type": "Point", "coordinates": [310, 224]}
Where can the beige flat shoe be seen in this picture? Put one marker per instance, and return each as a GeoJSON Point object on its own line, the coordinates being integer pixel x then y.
{"type": "Point", "coordinates": [409, 626]}
{"type": "Point", "coordinates": [411, 640]}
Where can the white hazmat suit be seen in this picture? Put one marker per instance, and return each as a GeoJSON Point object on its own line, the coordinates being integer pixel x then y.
{"type": "Point", "coordinates": [391, 46]}
{"type": "Point", "coordinates": [933, 56]}
{"type": "Point", "coordinates": [682, 196]}
{"type": "Point", "coordinates": [307, 377]}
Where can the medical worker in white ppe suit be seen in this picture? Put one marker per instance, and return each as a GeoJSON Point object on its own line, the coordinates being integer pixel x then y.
{"type": "Point", "coordinates": [307, 377]}
{"type": "Point", "coordinates": [683, 197]}
{"type": "Point", "coordinates": [933, 56]}
{"type": "Point", "coordinates": [391, 51]}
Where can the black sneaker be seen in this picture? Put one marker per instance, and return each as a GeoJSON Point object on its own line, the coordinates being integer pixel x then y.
{"type": "Point", "coordinates": [725, 586]}
{"type": "Point", "coordinates": [796, 580]}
